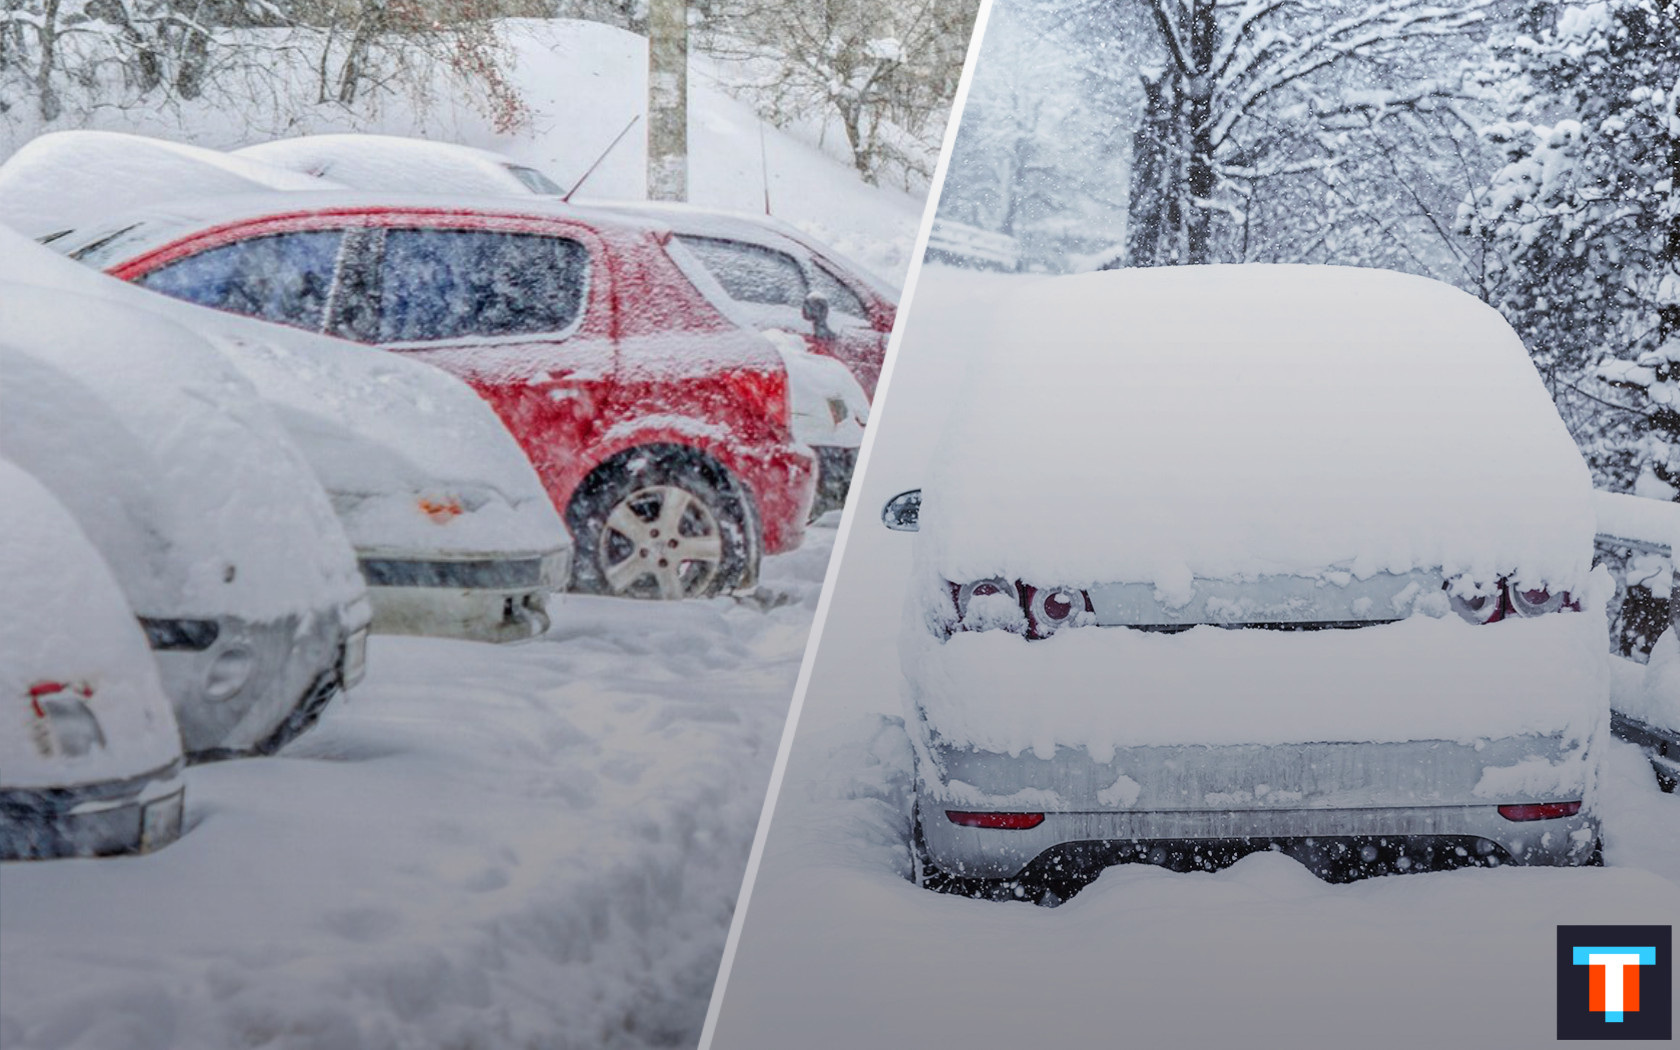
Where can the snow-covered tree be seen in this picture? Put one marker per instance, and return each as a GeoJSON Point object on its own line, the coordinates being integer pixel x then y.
{"type": "Point", "coordinates": [885, 69]}
{"type": "Point", "coordinates": [1583, 222]}
{"type": "Point", "coordinates": [1042, 148]}
{"type": "Point", "coordinates": [1239, 94]}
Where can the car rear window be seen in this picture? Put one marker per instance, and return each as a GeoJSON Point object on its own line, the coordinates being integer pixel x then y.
{"type": "Point", "coordinates": [283, 277]}
{"type": "Point", "coordinates": [452, 284]}
{"type": "Point", "coordinates": [750, 273]}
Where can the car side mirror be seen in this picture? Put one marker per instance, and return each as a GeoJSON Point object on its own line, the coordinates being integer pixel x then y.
{"type": "Point", "coordinates": [815, 310]}
{"type": "Point", "coordinates": [903, 513]}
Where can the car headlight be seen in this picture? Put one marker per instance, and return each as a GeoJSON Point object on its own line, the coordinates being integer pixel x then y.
{"type": "Point", "coordinates": [229, 672]}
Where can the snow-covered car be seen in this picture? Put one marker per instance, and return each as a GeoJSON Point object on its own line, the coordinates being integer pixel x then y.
{"type": "Point", "coordinates": [90, 758]}
{"type": "Point", "coordinates": [223, 541]}
{"type": "Point", "coordinates": [1650, 715]}
{"type": "Point", "coordinates": [454, 532]}
{"type": "Point", "coordinates": [764, 275]}
{"type": "Point", "coordinates": [1250, 557]}
{"type": "Point", "coordinates": [660, 430]}
{"type": "Point", "coordinates": [64, 179]}
{"type": "Point", "coordinates": [402, 165]}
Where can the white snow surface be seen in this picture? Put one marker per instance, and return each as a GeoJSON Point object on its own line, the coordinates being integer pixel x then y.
{"type": "Point", "coordinates": [391, 162]}
{"type": "Point", "coordinates": [198, 499]}
{"type": "Point", "coordinates": [1422, 678]}
{"type": "Point", "coordinates": [380, 432]}
{"type": "Point", "coordinates": [1649, 521]}
{"type": "Point", "coordinates": [1154, 425]}
{"type": "Point", "coordinates": [814, 380]}
{"type": "Point", "coordinates": [64, 179]}
{"type": "Point", "coordinates": [1656, 699]}
{"type": "Point", "coordinates": [521, 845]}
{"type": "Point", "coordinates": [71, 626]}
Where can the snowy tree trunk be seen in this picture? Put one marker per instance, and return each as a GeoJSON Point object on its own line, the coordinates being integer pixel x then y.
{"type": "Point", "coordinates": [667, 174]}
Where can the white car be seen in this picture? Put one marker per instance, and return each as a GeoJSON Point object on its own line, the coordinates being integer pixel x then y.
{"type": "Point", "coordinates": [402, 165]}
{"type": "Point", "coordinates": [65, 179]}
{"type": "Point", "coordinates": [222, 539]}
{"type": "Point", "coordinates": [1650, 715]}
{"type": "Point", "coordinates": [1220, 559]}
{"type": "Point", "coordinates": [90, 758]}
{"type": "Point", "coordinates": [455, 533]}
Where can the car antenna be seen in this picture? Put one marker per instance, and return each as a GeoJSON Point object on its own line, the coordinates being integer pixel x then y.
{"type": "Point", "coordinates": [567, 196]}
{"type": "Point", "coordinates": [764, 166]}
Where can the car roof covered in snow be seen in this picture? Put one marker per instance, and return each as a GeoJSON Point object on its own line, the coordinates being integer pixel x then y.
{"type": "Point", "coordinates": [64, 620]}
{"type": "Point", "coordinates": [397, 164]}
{"type": "Point", "coordinates": [1157, 425]}
{"type": "Point", "coordinates": [69, 179]}
{"type": "Point", "coordinates": [128, 234]}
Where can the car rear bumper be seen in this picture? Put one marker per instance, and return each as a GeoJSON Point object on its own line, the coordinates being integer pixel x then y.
{"type": "Point", "coordinates": [136, 815]}
{"type": "Point", "coordinates": [1108, 837]}
{"type": "Point", "coordinates": [1243, 795]}
{"type": "Point", "coordinates": [502, 599]}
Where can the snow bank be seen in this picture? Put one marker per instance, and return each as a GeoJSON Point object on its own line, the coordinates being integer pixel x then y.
{"type": "Point", "coordinates": [64, 179]}
{"type": "Point", "coordinates": [168, 459]}
{"type": "Point", "coordinates": [488, 846]}
{"type": "Point", "coordinates": [1419, 679]}
{"type": "Point", "coordinates": [1153, 425]}
{"type": "Point", "coordinates": [71, 625]}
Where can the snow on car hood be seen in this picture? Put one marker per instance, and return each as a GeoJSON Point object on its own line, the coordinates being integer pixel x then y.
{"type": "Point", "coordinates": [71, 179]}
{"type": "Point", "coordinates": [65, 622]}
{"type": "Point", "coordinates": [390, 439]}
{"type": "Point", "coordinates": [198, 499]}
{"type": "Point", "coordinates": [1164, 424]}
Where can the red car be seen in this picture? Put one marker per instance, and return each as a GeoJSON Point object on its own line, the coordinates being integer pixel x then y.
{"type": "Point", "coordinates": [660, 428]}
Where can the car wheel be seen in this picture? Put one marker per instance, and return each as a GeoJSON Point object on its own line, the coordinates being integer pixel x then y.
{"type": "Point", "coordinates": [662, 523]}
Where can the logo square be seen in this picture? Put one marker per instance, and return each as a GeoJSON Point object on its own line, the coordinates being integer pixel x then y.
{"type": "Point", "coordinates": [1615, 982]}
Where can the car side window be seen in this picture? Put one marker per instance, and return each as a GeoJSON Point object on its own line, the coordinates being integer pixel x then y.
{"type": "Point", "coordinates": [750, 273]}
{"type": "Point", "coordinates": [841, 298]}
{"type": "Point", "coordinates": [284, 277]}
{"type": "Point", "coordinates": [451, 284]}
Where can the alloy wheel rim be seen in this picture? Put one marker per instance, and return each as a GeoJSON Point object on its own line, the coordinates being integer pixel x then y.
{"type": "Point", "coordinates": [660, 541]}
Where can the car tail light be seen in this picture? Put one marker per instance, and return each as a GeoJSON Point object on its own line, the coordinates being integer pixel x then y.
{"type": "Point", "coordinates": [1532, 601]}
{"type": "Point", "coordinates": [64, 724]}
{"type": "Point", "coordinates": [1051, 608]}
{"type": "Point", "coordinates": [1490, 603]}
{"type": "Point", "coordinates": [989, 603]}
{"type": "Point", "coordinates": [1008, 821]}
{"type": "Point", "coordinates": [1540, 810]}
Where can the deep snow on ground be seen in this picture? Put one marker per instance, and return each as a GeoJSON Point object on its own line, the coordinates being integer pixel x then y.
{"type": "Point", "coordinates": [839, 950]}
{"type": "Point", "coordinates": [487, 846]}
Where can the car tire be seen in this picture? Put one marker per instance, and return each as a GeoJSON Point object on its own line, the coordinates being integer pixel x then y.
{"type": "Point", "coordinates": [636, 513]}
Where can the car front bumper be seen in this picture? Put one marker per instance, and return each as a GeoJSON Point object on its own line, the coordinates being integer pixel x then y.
{"type": "Point", "coordinates": [475, 597]}
{"type": "Point", "coordinates": [242, 687]}
{"type": "Point", "coordinates": [1661, 745]}
{"type": "Point", "coordinates": [136, 815]}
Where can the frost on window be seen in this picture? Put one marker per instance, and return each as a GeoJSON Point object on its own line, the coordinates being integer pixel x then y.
{"type": "Point", "coordinates": [448, 284]}
{"type": "Point", "coordinates": [285, 277]}
{"type": "Point", "coordinates": [751, 273]}
{"type": "Point", "coordinates": [841, 299]}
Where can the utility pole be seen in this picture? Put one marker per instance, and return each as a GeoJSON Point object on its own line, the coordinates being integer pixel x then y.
{"type": "Point", "coordinates": [667, 154]}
